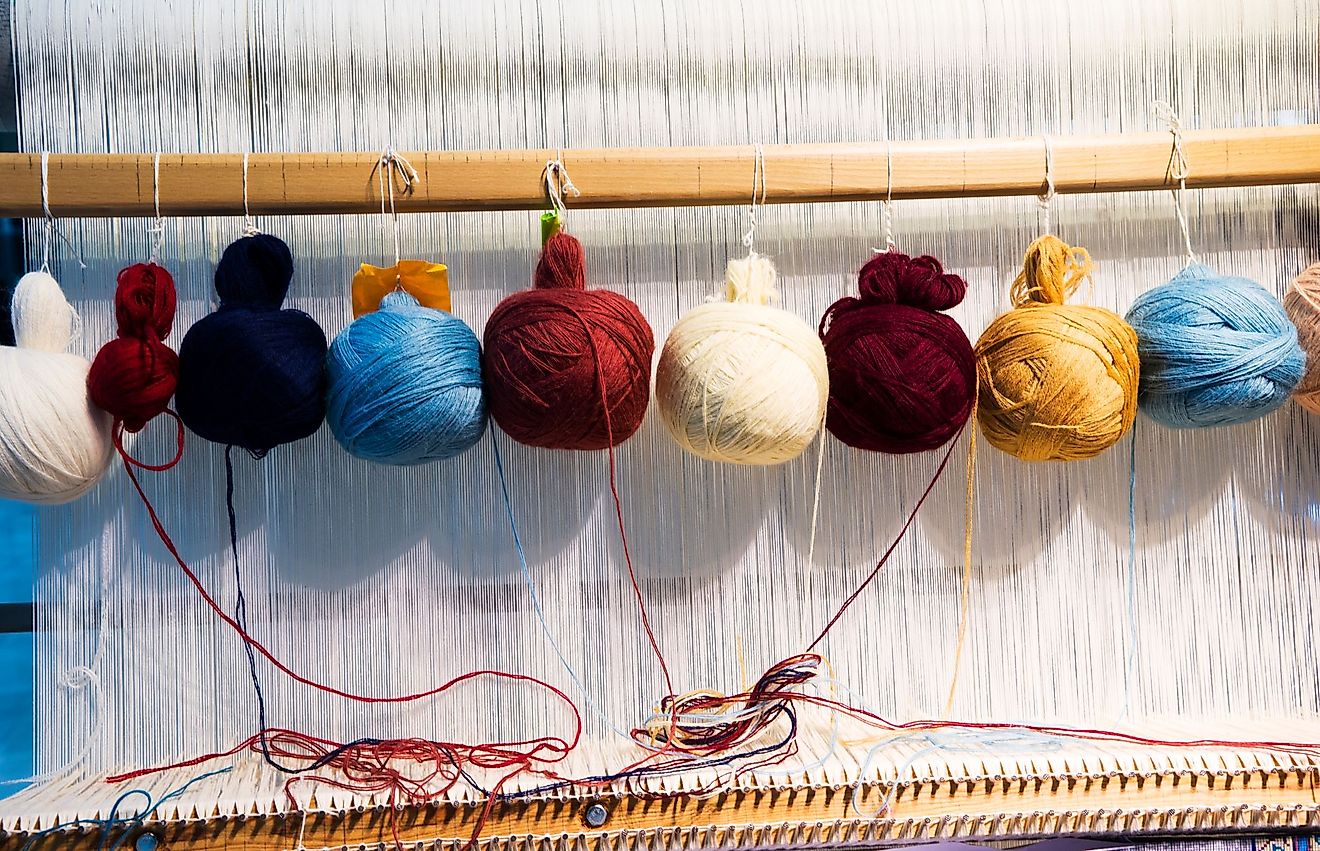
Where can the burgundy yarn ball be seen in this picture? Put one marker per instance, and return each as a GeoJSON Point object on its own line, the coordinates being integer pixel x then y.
{"type": "Point", "coordinates": [566, 367]}
{"type": "Point", "coordinates": [134, 375]}
{"type": "Point", "coordinates": [902, 376]}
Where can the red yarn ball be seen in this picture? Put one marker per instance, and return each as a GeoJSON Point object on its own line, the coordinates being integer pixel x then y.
{"type": "Point", "coordinates": [134, 375]}
{"type": "Point", "coordinates": [902, 377]}
{"type": "Point", "coordinates": [566, 367]}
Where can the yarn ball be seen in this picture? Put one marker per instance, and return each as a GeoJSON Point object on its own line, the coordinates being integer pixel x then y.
{"type": "Point", "coordinates": [739, 380]}
{"type": "Point", "coordinates": [134, 375]}
{"type": "Point", "coordinates": [54, 442]}
{"type": "Point", "coordinates": [567, 367]}
{"type": "Point", "coordinates": [404, 384]}
{"type": "Point", "coordinates": [1057, 382]}
{"type": "Point", "coordinates": [250, 374]}
{"type": "Point", "coordinates": [1303, 305]}
{"type": "Point", "coordinates": [902, 376]}
{"type": "Point", "coordinates": [1215, 350]}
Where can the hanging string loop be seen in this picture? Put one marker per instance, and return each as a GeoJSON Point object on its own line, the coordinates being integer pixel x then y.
{"type": "Point", "coordinates": [50, 227]}
{"type": "Point", "coordinates": [887, 206]}
{"type": "Point", "coordinates": [249, 223]}
{"type": "Point", "coordinates": [157, 230]}
{"type": "Point", "coordinates": [393, 165]}
{"type": "Point", "coordinates": [758, 189]}
{"type": "Point", "coordinates": [558, 185]}
{"type": "Point", "coordinates": [1046, 199]}
{"type": "Point", "coordinates": [1177, 172]}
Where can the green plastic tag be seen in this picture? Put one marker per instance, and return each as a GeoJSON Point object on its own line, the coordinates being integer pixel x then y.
{"type": "Point", "coordinates": [549, 225]}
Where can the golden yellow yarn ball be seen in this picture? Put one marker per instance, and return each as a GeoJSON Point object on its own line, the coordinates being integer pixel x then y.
{"type": "Point", "coordinates": [1057, 382]}
{"type": "Point", "coordinates": [740, 381]}
{"type": "Point", "coordinates": [1303, 305]}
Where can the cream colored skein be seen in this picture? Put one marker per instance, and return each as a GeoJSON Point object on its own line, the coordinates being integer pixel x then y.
{"type": "Point", "coordinates": [741, 381]}
{"type": "Point", "coordinates": [1303, 305]}
{"type": "Point", "coordinates": [54, 443]}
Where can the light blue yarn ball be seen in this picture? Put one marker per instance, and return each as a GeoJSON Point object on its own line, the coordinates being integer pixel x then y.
{"type": "Point", "coordinates": [1215, 350]}
{"type": "Point", "coordinates": [404, 384]}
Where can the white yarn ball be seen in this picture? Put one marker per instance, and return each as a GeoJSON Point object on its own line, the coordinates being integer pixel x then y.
{"type": "Point", "coordinates": [741, 381]}
{"type": "Point", "coordinates": [54, 443]}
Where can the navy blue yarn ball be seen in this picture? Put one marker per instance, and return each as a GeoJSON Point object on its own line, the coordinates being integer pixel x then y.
{"type": "Point", "coordinates": [405, 384]}
{"type": "Point", "coordinates": [250, 374]}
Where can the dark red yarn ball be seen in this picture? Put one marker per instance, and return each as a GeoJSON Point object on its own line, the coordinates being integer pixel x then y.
{"type": "Point", "coordinates": [559, 357]}
{"type": "Point", "coordinates": [134, 375]}
{"type": "Point", "coordinates": [902, 376]}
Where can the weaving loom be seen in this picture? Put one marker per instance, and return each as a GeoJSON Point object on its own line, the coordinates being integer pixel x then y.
{"type": "Point", "coordinates": [1166, 589]}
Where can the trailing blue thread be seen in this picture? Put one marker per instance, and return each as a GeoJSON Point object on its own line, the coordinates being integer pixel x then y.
{"type": "Point", "coordinates": [536, 598]}
{"type": "Point", "coordinates": [405, 384]}
{"type": "Point", "coordinates": [1215, 350]}
{"type": "Point", "coordinates": [997, 743]}
{"type": "Point", "coordinates": [113, 819]}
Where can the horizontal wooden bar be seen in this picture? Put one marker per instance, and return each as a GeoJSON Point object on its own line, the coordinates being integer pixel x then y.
{"type": "Point", "coordinates": [309, 183]}
{"type": "Point", "coordinates": [983, 808]}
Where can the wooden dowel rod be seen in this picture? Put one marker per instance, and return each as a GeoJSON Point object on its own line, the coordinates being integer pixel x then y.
{"type": "Point", "coordinates": [300, 184]}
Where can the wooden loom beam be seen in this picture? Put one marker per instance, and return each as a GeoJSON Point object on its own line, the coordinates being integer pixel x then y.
{"type": "Point", "coordinates": [327, 183]}
{"type": "Point", "coordinates": [973, 807]}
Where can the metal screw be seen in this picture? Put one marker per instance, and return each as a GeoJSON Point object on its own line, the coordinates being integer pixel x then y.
{"type": "Point", "coordinates": [595, 816]}
{"type": "Point", "coordinates": [146, 842]}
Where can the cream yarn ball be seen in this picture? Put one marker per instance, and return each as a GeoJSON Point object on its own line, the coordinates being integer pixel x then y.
{"type": "Point", "coordinates": [741, 381]}
{"type": "Point", "coordinates": [54, 443]}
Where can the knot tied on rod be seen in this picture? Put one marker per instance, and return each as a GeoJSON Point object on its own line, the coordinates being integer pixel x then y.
{"type": "Point", "coordinates": [567, 367]}
{"type": "Point", "coordinates": [741, 381]}
{"type": "Point", "coordinates": [902, 376]}
{"type": "Point", "coordinates": [1056, 382]}
{"type": "Point", "coordinates": [251, 374]}
{"type": "Point", "coordinates": [1215, 350]}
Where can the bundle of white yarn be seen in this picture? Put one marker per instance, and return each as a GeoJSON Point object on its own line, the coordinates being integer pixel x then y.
{"type": "Point", "coordinates": [54, 443]}
{"type": "Point", "coordinates": [740, 381]}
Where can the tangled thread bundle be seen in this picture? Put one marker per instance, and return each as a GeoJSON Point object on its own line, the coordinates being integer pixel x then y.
{"type": "Point", "coordinates": [250, 374]}
{"type": "Point", "coordinates": [134, 375]}
{"type": "Point", "coordinates": [567, 367]}
{"type": "Point", "coordinates": [741, 381]}
{"type": "Point", "coordinates": [1215, 350]}
{"type": "Point", "coordinates": [1057, 382]}
{"type": "Point", "coordinates": [902, 376]}
{"type": "Point", "coordinates": [55, 444]}
{"type": "Point", "coordinates": [1303, 305]}
{"type": "Point", "coordinates": [404, 384]}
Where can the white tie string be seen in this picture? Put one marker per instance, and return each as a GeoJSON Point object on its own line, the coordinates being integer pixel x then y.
{"type": "Point", "coordinates": [887, 206]}
{"type": "Point", "coordinates": [558, 185]}
{"type": "Point", "coordinates": [393, 163]}
{"type": "Point", "coordinates": [758, 186]}
{"type": "Point", "coordinates": [249, 223]}
{"type": "Point", "coordinates": [1046, 200]}
{"type": "Point", "coordinates": [1178, 170]}
{"type": "Point", "coordinates": [157, 230]}
{"type": "Point", "coordinates": [50, 229]}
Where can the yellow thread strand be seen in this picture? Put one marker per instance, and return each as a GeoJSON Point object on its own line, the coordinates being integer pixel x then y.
{"type": "Point", "coordinates": [964, 601]}
{"type": "Point", "coordinates": [742, 664]}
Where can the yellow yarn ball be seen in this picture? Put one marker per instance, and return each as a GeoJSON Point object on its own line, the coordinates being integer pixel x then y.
{"type": "Point", "coordinates": [740, 381]}
{"type": "Point", "coordinates": [1057, 382]}
{"type": "Point", "coordinates": [1303, 305]}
